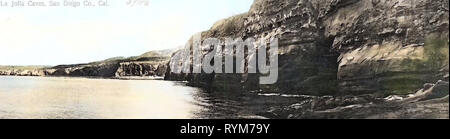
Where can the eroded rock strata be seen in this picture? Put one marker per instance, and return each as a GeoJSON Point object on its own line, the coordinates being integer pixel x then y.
{"type": "Point", "coordinates": [390, 46]}
{"type": "Point", "coordinates": [339, 47]}
{"type": "Point", "coordinates": [344, 57]}
{"type": "Point", "coordinates": [141, 69]}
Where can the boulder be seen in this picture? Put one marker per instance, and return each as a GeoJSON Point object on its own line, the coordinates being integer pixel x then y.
{"type": "Point", "coordinates": [431, 91]}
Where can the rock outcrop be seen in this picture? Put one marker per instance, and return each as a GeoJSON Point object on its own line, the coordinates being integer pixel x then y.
{"type": "Point", "coordinates": [151, 63]}
{"type": "Point", "coordinates": [107, 69]}
{"type": "Point", "coordinates": [339, 47]}
{"type": "Point", "coordinates": [22, 72]}
{"type": "Point", "coordinates": [392, 46]}
{"type": "Point", "coordinates": [110, 69]}
{"type": "Point", "coordinates": [306, 63]}
{"type": "Point", "coordinates": [148, 64]}
{"type": "Point", "coordinates": [141, 69]}
{"type": "Point", "coordinates": [431, 102]}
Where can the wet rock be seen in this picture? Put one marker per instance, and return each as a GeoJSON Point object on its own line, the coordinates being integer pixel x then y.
{"type": "Point", "coordinates": [436, 108]}
{"type": "Point", "coordinates": [431, 91]}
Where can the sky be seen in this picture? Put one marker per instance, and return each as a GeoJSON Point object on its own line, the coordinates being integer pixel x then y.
{"type": "Point", "coordinates": [69, 35]}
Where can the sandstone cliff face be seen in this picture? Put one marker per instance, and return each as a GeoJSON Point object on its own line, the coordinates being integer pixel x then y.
{"type": "Point", "coordinates": [390, 45]}
{"type": "Point", "coordinates": [147, 64]}
{"type": "Point", "coordinates": [338, 47]}
{"type": "Point", "coordinates": [107, 69]}
{"type": "Point", "coordinates": [306, 62]}
{"type": "Point", "coordinates": [141, 69]}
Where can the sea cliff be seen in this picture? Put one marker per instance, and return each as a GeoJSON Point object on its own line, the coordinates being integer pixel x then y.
{"type": "Point", "coordinates": [368, 57]}
{"type": "Point", "coordinates": [150, 64]}
{"type": "Point", "coordinates": [340, 47]}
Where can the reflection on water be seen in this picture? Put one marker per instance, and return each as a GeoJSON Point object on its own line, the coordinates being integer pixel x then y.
{"type": "Point", "coordinates": [82, 98]}
{"type": "Point", "coordinates": [224, 105]}
{"type": "Point", "coordinates": [37, 97]}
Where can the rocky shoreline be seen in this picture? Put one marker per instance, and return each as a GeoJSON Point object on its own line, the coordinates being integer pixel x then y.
{"type": "Point", "coordinates": [116, 70]}
{"type": "Point", "coordinates": [341, 59]}
{"type": "Point", "coordinates": [353, 58]}
{"type": "Point", "coordinates": [150, 64]}
{"type": "Point", "coordinates": [36, 72]}
{"type": "Point", "coordinates": [431, 102]}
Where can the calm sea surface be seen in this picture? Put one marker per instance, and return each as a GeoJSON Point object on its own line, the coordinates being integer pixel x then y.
{"type": "Point", "coordinates": [45, 97]}
{"type": "Point", "coordinates": [84, 98]}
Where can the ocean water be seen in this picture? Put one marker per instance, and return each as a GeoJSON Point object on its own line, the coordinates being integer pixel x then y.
{"type": "Point", "coordinates": [86, 98]}
{"type": "Point", "coordinates": [83, 98]}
